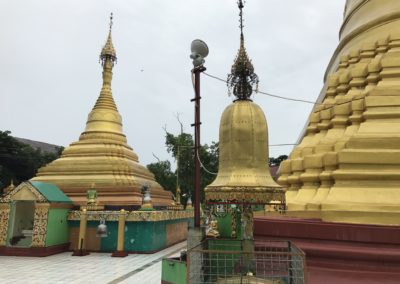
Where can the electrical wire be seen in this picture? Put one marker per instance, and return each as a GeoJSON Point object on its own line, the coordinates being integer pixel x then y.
{"type": "Point", "coordinates": [327, 106]}
{"type": "Point", "coordinates": [197, 150]}
{"type": "Point", "coordinates": [264, 93]}
{"type": "Point", "coordinates": [202, 165]}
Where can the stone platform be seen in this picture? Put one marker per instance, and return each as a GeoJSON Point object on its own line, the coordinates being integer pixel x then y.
{"type": "Point", "coordinates": [99, 268]}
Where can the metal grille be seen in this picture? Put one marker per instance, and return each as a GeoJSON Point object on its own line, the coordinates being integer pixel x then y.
{"type": "Point", "coordinates": [232, 261]}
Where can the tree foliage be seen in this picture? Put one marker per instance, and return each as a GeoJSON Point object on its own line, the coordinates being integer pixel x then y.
{"type": "Point", "coordinates": [181, 148]}
{"type": "Point", "coordinates": [163, 174]}
{"type": "Point", "coordinates": [275, 162]}
{"type": "Point", "coordinates": [19, 161]}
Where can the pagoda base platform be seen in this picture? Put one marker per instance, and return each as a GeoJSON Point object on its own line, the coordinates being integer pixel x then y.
{"type": "Point", "coordinates": [33, 251]}
{"type": "Point", "coordinates": [338, 252]}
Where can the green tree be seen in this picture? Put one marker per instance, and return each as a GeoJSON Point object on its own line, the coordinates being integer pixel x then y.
{"type": "Point", "coordinates": [273, 162]}
{"type": "Point", "coordinates": [181, 147]}
{"type": "Point", "coordinates": [19, 161]}
{"type": "Point", "coordinates": [163, 174]}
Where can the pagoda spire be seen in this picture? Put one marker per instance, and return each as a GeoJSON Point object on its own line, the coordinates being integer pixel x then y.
{"type": "Point", "coordinates": [242, 78]}
{"type": "Point", "coordinates": [104, 115]}
{"type": "Point", "coordinates": [108, 58]}
{"type": "Point", "coordinates": [108, 51]}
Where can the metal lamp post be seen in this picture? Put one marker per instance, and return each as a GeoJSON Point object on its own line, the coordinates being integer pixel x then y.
{"type": "Point", "coordinates": [199, 51]}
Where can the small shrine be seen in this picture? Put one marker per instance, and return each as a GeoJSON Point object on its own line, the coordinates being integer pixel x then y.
{"type": "Point", "coordinates": [33, 220]}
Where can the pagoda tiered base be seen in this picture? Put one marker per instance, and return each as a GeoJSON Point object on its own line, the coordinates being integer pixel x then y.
{"type": "Point", "coordinates": [339, 252]}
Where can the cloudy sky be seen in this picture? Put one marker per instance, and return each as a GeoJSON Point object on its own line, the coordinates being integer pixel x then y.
{"type": "Point", "coordinates": [50, 76]}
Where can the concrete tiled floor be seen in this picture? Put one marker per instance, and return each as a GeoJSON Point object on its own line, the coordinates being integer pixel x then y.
{"type": "Point", "coordinates": [94, 268]}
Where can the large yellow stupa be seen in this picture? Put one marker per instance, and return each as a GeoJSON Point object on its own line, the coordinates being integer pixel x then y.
{"type": "Point", "coordinates": [102, 156]}
{"type": "Point", "coordinates": [347, 166]}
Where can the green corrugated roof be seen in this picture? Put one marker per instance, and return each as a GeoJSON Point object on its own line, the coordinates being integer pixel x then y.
{"type": "Point", "coordinates": [51, 192]}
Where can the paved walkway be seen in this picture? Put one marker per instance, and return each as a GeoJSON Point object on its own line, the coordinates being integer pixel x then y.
{"type": "Point", "coordinates": [94, 268]}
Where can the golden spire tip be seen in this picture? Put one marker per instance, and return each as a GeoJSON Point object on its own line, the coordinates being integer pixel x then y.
{"type": "Point", "coordinates": [108, 51]}
{"type": "Point", "coordinates": [111, 20]}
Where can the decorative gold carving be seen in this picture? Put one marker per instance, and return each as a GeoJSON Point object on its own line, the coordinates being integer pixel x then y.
{"type": "Point", "coordinates": [212, 229]}
{"type": "Point", "coordinates": [38, 196]}
{"type": "Point", "coordinates": [244, 195]}
{"type": "Point", "coordinates": [133, 216]}
{"type": "Point", "coordinates": [40, 225]}
{"type": "Point", "coordinates": [233, 213]}
{"type": "Point", "coordinates": [247, 223]}
{"type": "Point", "coordinates": [4, 217]}
{"type": "Point", "coordinates": [175, 207]}
{"type": "Point", "coordinates": [92, 207]}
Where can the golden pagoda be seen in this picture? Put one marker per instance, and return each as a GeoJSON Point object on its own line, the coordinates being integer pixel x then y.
{"type": "Point", "coordinates": [347, 166]}
{"type": "Point", "coordinates": [102, 155]}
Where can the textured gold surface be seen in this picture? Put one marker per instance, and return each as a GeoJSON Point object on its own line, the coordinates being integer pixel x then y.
{"type": "Point", "coordinates": [346, 168]}
{"type": "Point", "coordinates": [102, 156]}
{"type": "Point", "coordinates": [82, 230]}
{"type": "Point", "coordinates": [40, 225]}
{"type": "Point", "coordinates": [243, 173]}
{"type": "Point", "coordinates": [133, 216]}
{"type": "Point", "coordinates": [121, 230]}
{"type": "Point", "coordinates": [4, 218]}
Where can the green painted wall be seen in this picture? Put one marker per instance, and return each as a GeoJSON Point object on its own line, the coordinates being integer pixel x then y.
{"type": "Point", "coordinates": [108, 243]}
{"type": "Point", "coordinates": [145, 236]}
{"type": "Point", "coordinates": [173, 271]}
{"type": "Point", "coordinates": [57, 227]}
{"type": "Point", "coordinates": [225, 226]}
{"type": "Point", "coordinates": [139, 236]}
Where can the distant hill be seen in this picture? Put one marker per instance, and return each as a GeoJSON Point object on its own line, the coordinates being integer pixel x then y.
{"type": "Point", "coordinates": [44, 147]}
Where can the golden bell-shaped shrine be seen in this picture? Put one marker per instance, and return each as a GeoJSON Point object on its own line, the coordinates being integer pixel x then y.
{"type": "Point", "coordinates": [243, 176]}
{"type": "Point", "coordinates": [346, 168]}
{"type": "Point", "coordinates": [102, 155]}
